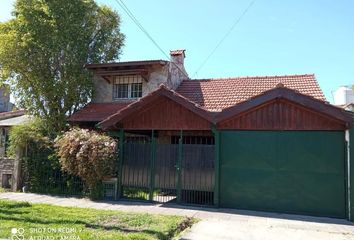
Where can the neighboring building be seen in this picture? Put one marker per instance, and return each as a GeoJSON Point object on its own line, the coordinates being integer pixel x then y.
{"type": "Point", "coordinates": [7, 165]}
{"type": "Point", "coordinates": [8, 120]}
{"type": "Point", "coordinates": [344, 97]}
{"type": "Point", "coordinates": [5, 104]}
{"type": "Point", "coordinates": [263, 143]}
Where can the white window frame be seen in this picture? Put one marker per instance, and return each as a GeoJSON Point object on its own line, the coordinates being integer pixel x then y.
{"type": "Point", "coordinates": [130, 79]}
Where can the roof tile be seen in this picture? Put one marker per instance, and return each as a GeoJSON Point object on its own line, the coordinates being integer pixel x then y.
{"type": "Point", "coordinates": [217, 94]}
{"type": "Point", "coordinates": [214, 94]}
{"type": "Point", "coordinates": [96, 112]}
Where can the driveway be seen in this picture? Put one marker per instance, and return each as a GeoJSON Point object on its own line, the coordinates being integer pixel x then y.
{"type": "Point", "coordinates": [218, 223]}
{"type": "Point", "coordinates": [269, 228]}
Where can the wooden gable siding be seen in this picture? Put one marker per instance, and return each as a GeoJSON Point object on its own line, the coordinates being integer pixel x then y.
{"type": "Point", "coordinates": [165, 114]}
{"type": "Point", "coordinates": [281, 115]}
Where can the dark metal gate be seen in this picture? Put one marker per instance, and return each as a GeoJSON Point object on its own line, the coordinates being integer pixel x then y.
{"type": "Point", "coordinates": [197, 174]}
{"type": "Point", "coordinates": [164, 172]}
{"type": "Point", "coordinates": [136, 170]}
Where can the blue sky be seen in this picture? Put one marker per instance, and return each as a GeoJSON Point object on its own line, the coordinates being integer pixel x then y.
{"type": "Point", "coordinates": [274, 38]}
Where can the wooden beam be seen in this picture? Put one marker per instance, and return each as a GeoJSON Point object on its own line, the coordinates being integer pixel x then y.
{"type": "Point", "coordinates": [122, 72]}
{"type": "Point", "coordinates": [108, 80]}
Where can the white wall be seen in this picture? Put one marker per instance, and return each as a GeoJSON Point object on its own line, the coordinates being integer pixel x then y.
{"type": "Point", "coordinates": [343, 95]}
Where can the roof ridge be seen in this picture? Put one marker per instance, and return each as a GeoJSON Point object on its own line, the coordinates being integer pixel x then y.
{"type": "Point", "coordinates": [250, 77]}
{"type": "Point", "coordinates": [145, 60]}
{"type": "Point", "coordinates": [114, 102]}
{"type": "Point", "coordinates": [120, 63]}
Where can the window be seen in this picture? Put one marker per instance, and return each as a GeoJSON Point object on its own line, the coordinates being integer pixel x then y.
{"type": "Point", "coordinates": [127, 87]}
{"type": "Point", "coordinates": [136, 90]}
{"type": "Point", "coordinates": [122, 90]}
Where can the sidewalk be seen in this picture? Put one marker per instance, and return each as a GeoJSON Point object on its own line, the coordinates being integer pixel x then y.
{"type": "Point", "coordinates": [126, 206]}
{"type": "Point", "coordinates": [227, 221]}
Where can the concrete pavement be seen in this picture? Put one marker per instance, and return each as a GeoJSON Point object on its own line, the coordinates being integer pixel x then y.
{"type": "Point", "coordinates": [217, 223]}
{"type": "Point", "coordinates": [266, 229]}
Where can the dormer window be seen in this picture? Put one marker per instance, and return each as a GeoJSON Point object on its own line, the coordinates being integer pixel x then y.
{"type": "Point", "coordinates": [127, 87]}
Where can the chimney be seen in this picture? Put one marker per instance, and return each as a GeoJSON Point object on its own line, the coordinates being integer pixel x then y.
{"type": "Point", "coordinates": [177, 70]}
{"type": "Point", "coordinates": [177, 56]}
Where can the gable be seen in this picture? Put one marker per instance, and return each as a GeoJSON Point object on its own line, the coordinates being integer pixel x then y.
{"type": "Point", "coordinates": [281, 114]}
{"type": "Point", "coordinates": [164, 114]}
{"type": "Point", "coordinates": [161, 109]}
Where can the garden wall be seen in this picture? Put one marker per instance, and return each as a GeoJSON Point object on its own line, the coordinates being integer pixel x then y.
{"type": "Point", "coordinates": [6, 172]}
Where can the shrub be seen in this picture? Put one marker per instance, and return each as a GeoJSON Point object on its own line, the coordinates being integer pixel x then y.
{"type": "Point", "coordinates": [87, 154]}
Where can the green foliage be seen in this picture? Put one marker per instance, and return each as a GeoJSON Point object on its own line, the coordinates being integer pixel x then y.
{"type": "Point", "coordinates": [42, 173]}
{"type": "Point", "coordinates": [40, 164]}
{"type": "Point", "coordinates": [88, 155]}
{"type": "Point", "coordinates": [44, 48]}
{"type": "Point", "coordinates": [31, 132]}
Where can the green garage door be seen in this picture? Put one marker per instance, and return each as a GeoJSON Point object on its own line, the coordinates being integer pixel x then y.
{"type": "Point", "coordinates": [284, 171]}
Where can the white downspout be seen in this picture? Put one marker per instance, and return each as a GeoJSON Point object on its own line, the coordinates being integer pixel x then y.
{"type": "Point", "coordinates": [347, 139]}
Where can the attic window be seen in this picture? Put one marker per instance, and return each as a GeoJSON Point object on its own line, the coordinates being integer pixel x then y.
{"type": "Point", "coordinates": [127, 87]}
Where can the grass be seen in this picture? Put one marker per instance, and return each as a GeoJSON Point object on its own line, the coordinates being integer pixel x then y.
{"type": "Point", "coordinates": [139, 193]}
{"type": "Point", "coordinates": [39, 221]}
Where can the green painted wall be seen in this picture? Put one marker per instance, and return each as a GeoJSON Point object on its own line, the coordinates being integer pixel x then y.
{"type": "Point", "coordinates": [283, 171]}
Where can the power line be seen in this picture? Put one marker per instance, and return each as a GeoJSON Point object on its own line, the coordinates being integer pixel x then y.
{"type": "Point", "coordinates": [135, 20]}
{"type": "Point", "coordinates": [131, 15]}
{"type": "Point", "coordinates": [237, 20]}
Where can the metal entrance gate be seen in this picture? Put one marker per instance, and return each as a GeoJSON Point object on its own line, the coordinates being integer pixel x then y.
{"type": "Point", "coordinates": [182, 173]}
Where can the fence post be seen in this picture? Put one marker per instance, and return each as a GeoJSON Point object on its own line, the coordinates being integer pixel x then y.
{"type": "Point", "coordinates": [217, 166]}
{"type": "Point", "coordinates": [179, 166]}
{"type": "Point", "coordinates": [120, 164]}
{"type": "Point", "coordinates": [152, 166]}
{"type": "Point", "coordinates": [17, 173]}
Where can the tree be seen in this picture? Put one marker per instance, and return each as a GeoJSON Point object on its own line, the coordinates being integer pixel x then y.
{"type": "Point", "coordinates": [44, 48]}
{"type": "Point", "coordinates": [87, 154]}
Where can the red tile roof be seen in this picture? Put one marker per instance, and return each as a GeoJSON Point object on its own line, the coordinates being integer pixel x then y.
{"type": "Point", "coordinates": [96, 112]}
{"type": "Point", "coordinates": [218, 94]}
{"type": "Point", "coordinates": [214, 94]}
{"type": "Point", "coordinates": [17, 113]}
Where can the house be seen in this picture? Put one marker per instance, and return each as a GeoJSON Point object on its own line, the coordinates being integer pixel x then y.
{"type": "Point", "coordinates": [7, 165]}
{"type": "Point", "coordinates": [6, 113]}
{"type": "Point", "coordinates": [262, 143]}
{"type": "Point", "coordinates": [7, 121]}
